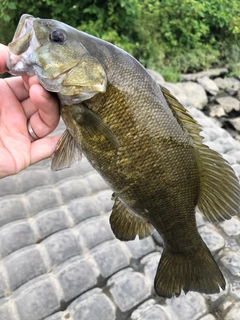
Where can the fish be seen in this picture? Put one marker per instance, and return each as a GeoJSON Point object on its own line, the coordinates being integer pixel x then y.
{"type": "Point", "coordinates": [140, 139]}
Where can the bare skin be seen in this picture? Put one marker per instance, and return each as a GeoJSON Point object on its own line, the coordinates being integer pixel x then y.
{"type": "Point", "coordinates": [23, 99]}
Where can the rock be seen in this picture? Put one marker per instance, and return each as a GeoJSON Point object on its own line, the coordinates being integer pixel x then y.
{"type": "Point", "coordinates": [222, 83]}
{"type": "Point", "coordinates": [212, 73]}
{"type": "Point", "coordinates": [209, 85]}
{"type": "Point", "coordinates": [195, 93]}
{"type": "Point", "coordinates": [231, 227]}
{"type": "Point", "coordinates": [124, 287]}
{"type": "Point", "coordinates": [229, 103]}
{"type": "Point", "coordinates": [151, 311]}
{"type": "Point", "coordinates": [156, 76]}
{"type": "Point", "coordinates": [231, 261]}
{"type": "Point", "coordinates": [208, 317]}
{"type": "Point", "coordinates": [235, 123]}
{"type": "Point", "coordinates": [211, 237]}
{"type": "Point", "coordinates": [188, 307]}
{"type": "Point", "coordinates": [216, 111]}
{"type": "Point", "coordinates": [234, 313]}
{"type": "Point", "coordinates": [233, 83]}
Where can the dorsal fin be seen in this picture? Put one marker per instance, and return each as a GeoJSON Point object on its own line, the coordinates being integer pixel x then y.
{"type": "Point", "coordinates": [219, 196]}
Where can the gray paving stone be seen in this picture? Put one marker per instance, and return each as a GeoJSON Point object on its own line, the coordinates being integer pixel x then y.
{"type": "Point", "coordinates": [214, 145]}
{"type": "Point", "coordinates": [95, 182]}
{"type": "Point", "coordinates": [37, 300]}
{"type": "Point", "coordinates": [93, 305]}
{"type": "Point", "coordinates": [189, 307]}
{"type": "Point", "coordinates": [210, 134]}
{"type": "Point", "coordinates": [33, 178]}
{"type": "Point", "coordinates": [230, 159]}
{"type": "Point", "coordinates": [234, 313]}
{"type": "Point", "coordinates": [231, 227]}
{"type": "Point", "coordinates": [235, 154]}
{"type": "Point", "coordinates": [22, 266]}
{"type": "Point", "coordinates": [110, 256]}
{"type": "Point", "coordinates": [76, 276]}
{"type": "Point", "coordinates": [211, 237]}
{"type": "Point", "coordinates": [150, 263]}
{"type": "Point", "coordinates": [235, 288]}
{"type": "Point", "coordinates": [208, 317]}
{"type": "Point", "coordinates": [78, 170]}
{"type": "Point", "coordinates": [16, 235]}
{"type": "Point", "coordinates": [35, 198]}
{"type": "Point", "coordinates": [236, 168]}
{"type": "Point", "coordinates": [12, 208]}
{"type": "Point", "coordinates": [60, 316]}
{"type": "Point", "coordinates": [73, 188]}
{"type": "Point", "coordinates": [140, 248]}
{"type": "Point", "coordinates": [128, 289]}
{"type": "Point", "coordinates": [149, 310]}
{"type": "Point", "coordinates": [10, 185]}
{"type": "Point", "coordinates": [231, 260]}
{"type": "Point", "coordinates": [8, 311]}
{"type": "Point", "coordinates": [50, 221]}
{"type": "Point", "coordinates": [82, 208]}
{"type": "Point", "coordinates": [61, 246]}
{"type": "Point", "coordinates": [94, 231]}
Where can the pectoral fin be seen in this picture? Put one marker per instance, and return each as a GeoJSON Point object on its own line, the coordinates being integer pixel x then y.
{"type": "Point", "coordinates": [95, 128]}
{"type": "Point", "coordinates": [126, 225]}
{"type": "Point", "coordinates": [66, 154]}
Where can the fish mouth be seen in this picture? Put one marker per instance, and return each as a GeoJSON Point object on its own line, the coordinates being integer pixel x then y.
{"type": "Point", "coordinates": [23, 45]}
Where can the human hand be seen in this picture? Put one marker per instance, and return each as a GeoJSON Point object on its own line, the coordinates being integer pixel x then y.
{"type": "Point", "coordinates": [23, 100]}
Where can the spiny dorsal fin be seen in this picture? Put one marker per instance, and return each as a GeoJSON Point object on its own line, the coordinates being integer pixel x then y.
{"type": "Point", "coordinates": [219, 197]}
{"type": "Point", "coordinates": [66, 154]}
{"type": "Point", "coordinates": [126, 225]}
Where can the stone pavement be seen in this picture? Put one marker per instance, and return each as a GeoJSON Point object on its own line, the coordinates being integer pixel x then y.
{"type": "Point", "coordinates": [61, 261]}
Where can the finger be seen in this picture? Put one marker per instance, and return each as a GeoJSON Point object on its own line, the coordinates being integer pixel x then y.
{"type": "Point", "coordinates": [16, 84]}
{"type": "Point", "coordinates": [3, 57]}
{"type": "Point", "coordinates": [43, 148]}
{"type": "Point", "coordinates": [46, 119]}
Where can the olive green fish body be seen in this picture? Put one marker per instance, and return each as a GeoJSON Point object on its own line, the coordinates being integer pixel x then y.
{"type": "Point", "coordinates": [142, 142]}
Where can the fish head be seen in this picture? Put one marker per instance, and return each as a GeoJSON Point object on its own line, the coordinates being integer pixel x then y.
{"type": "Point", "coordinates": [53, 51]}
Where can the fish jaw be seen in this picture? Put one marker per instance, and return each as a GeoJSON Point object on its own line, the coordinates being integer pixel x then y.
{"type": "Point", "coordinates": [66, 68]}
{"type": "Point", "coordinates": [21, 57]}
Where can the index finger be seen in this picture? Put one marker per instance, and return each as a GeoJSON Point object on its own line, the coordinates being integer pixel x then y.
{"type": "Point", "coordinates": [3, 57]}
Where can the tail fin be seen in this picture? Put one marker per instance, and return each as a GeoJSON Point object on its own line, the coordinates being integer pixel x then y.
{"type": "Point", "coordinates": [195, 272]}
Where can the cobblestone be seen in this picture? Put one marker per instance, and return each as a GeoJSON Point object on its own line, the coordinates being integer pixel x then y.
{"type": "Point", "coordinates": [50, 221]}
{"type": "Point", "coordinates": [76, 276]}
{"type": "Point", "coordinates": [212, 238]}
{"type": "Point", "coordinates": [94, 231]}
{"type": "Point", "coordinates": [38, 300]}
{"type": "Point", "coordinates": [110, 256]}
{"type": "Point", "coordinates": [61, 246]}
{"type": "Point", "coordinates": [22, 266]}
{"type": "Point", "coordinates": [231, 227]}
{"type": "Point", "coordinates": [124, 286]}
{"type": "Point", "coordinates": [93, 305]}
{"type": "Point", "coordinates": [231, 260]}
{"type": "Point", "coordinates": [16, 235]}
{"type": "Point", "coordinates": [188, 307]}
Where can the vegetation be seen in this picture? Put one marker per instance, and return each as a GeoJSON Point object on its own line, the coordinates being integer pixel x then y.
{"type": "Point", "coordinates": [170, 36]}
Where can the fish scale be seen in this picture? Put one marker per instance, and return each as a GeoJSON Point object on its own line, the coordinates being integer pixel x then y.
{"type": "Point", "coordinates": [140, 139]}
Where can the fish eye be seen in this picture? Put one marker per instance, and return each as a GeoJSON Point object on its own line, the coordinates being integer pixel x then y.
{"type": "Point", "coordinates": [57, 37]}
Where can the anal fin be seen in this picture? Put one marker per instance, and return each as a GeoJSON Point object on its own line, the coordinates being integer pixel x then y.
{"type": "Point", "coordinates": [126, 225]}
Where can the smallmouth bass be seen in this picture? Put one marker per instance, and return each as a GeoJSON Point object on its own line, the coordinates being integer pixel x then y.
{"type": "Point", "coordinates": [140, 139]}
